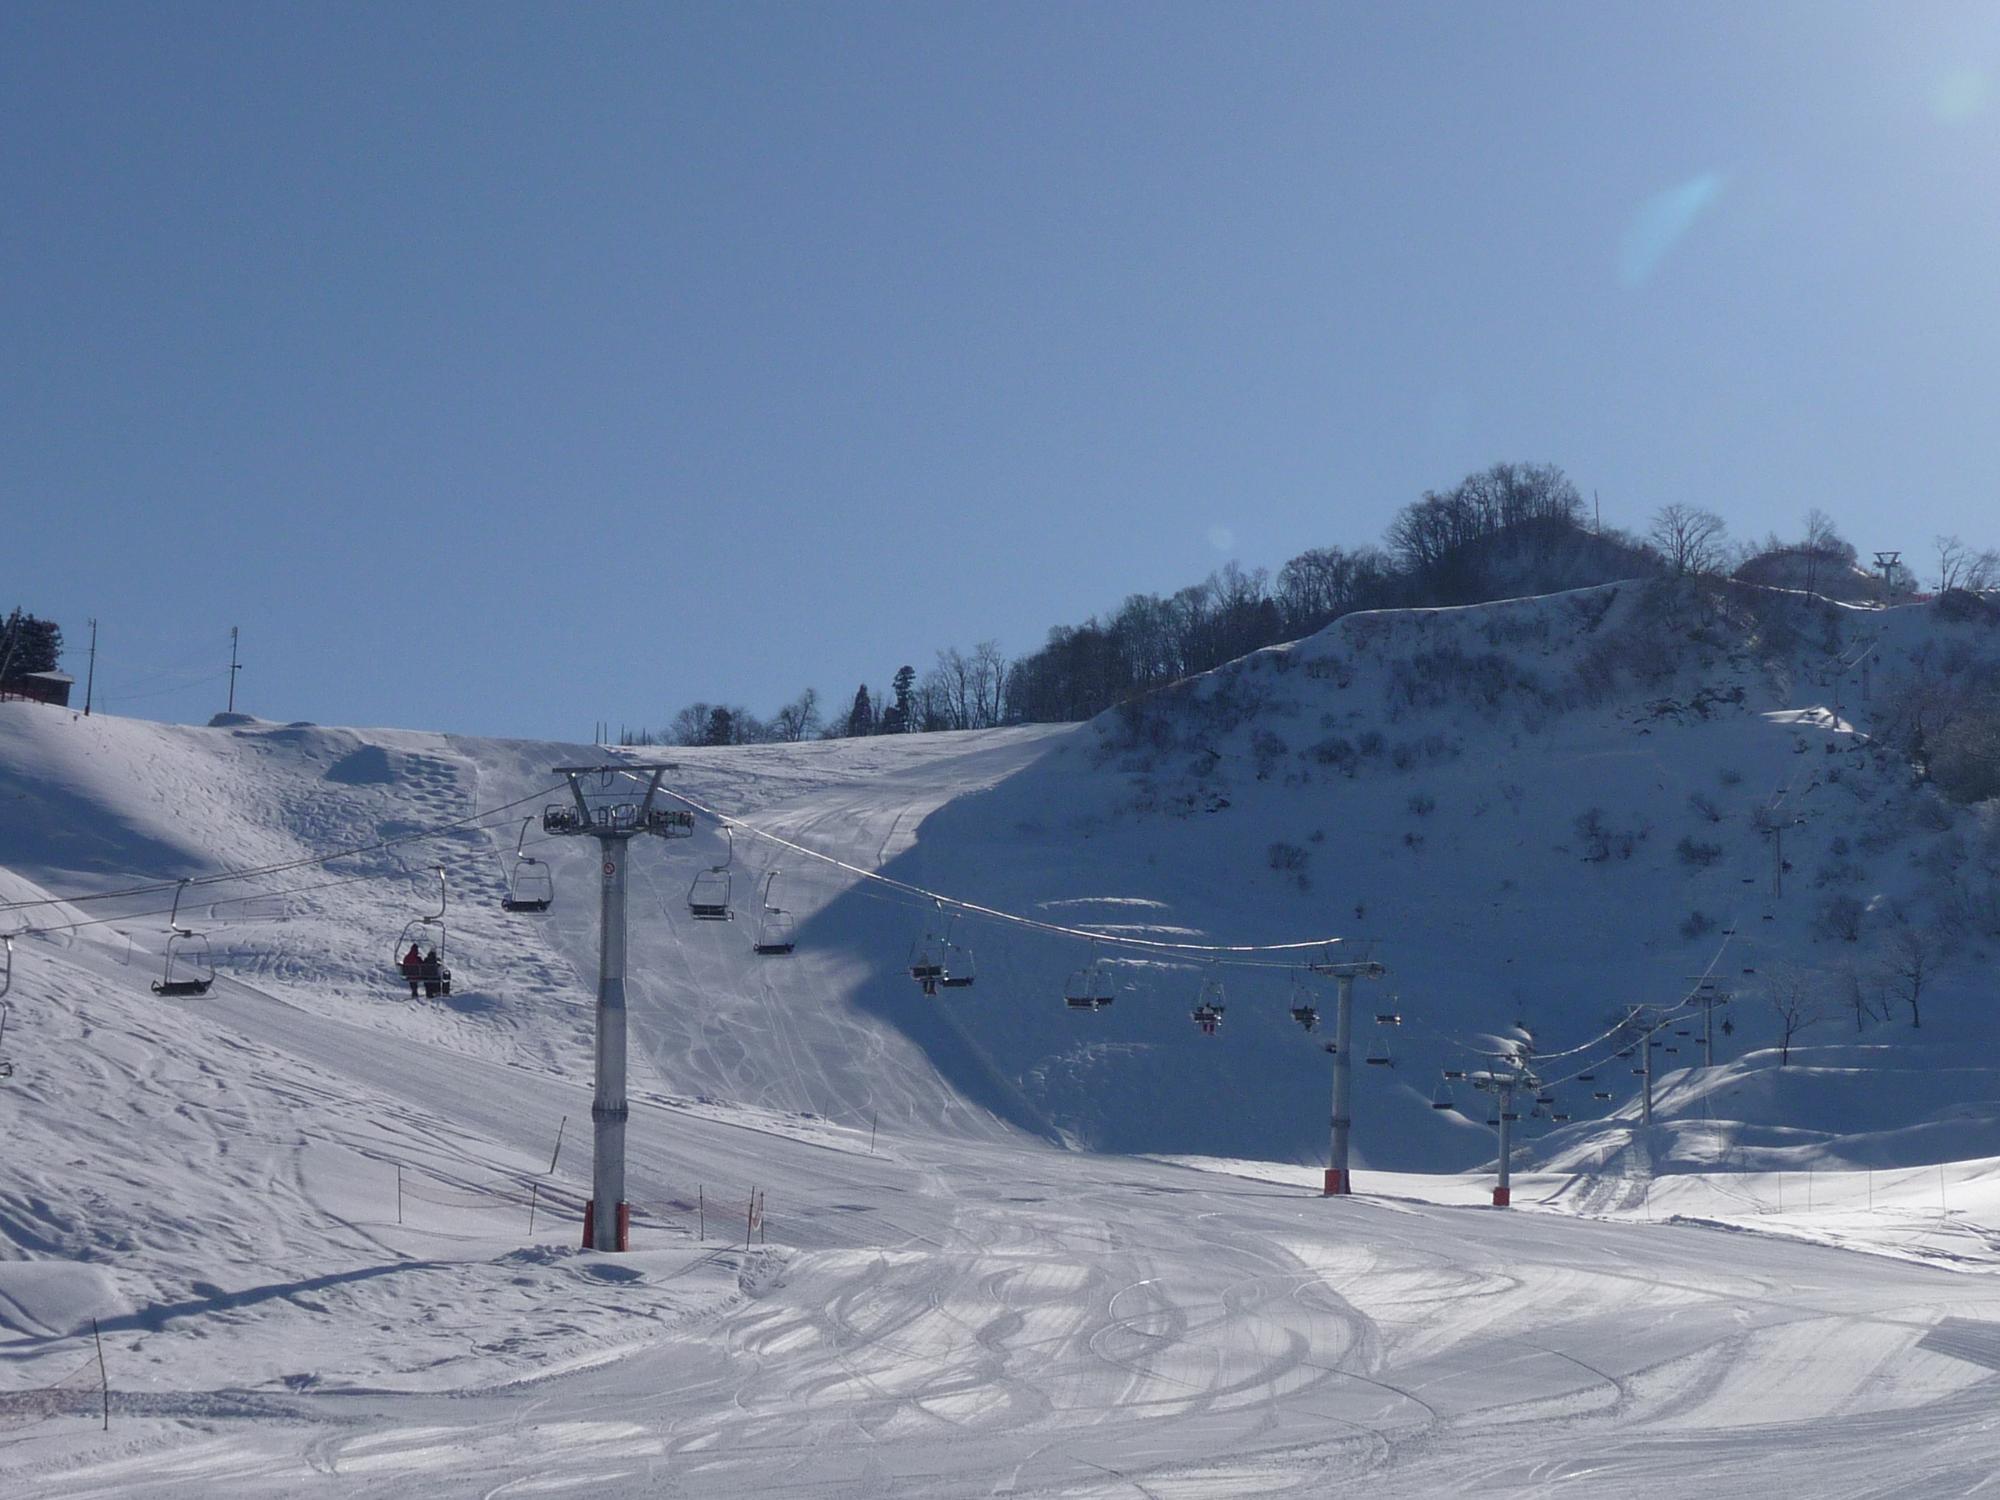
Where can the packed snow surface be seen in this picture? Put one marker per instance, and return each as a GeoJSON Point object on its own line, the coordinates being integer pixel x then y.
{"type": "Point", "coordinates": [299, 1208]}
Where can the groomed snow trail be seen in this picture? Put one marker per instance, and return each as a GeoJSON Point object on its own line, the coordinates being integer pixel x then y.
{"type": "Point", "coordinates": [956, 1309]}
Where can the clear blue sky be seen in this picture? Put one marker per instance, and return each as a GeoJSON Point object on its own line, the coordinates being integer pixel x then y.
{"type": "Point", "coordinates": [504, 367]}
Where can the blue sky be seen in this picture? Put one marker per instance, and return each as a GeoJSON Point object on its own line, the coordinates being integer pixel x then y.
{"type": "Point", "coordinates": [504, 368]}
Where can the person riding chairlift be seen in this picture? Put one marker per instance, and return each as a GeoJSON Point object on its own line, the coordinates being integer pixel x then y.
{"type": "Point", "coordinates": [432, 971]}
{"type": "Point", "coordinates": [413, 968]}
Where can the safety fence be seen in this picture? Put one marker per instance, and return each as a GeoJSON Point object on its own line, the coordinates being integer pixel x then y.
{"type": "Point", "coordinates": [717, 1216]}
{"type": "Point", "coordinates": [84, 1390]}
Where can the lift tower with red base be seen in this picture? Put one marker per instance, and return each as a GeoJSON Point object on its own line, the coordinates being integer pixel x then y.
{"type": "Point", "coordinates": [1344, 973]}
{"type": "Point", "coordinates": [614, 804]}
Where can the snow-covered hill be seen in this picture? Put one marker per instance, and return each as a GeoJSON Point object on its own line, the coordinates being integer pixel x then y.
{"type": "Point", "coordinates": [305, 1189]}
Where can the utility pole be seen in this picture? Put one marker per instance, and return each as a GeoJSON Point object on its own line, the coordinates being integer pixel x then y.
{"type": "Point", "coordinates": [234, 667]}
{"type": "Point", "coordinates": [1339, 1181]}
{"type": "Point", "coordinates": [1646, 1093]}
{"type": "Point", "coordinates": [90, 677]}
{"type": "Point", "coordinates": [605, 809]}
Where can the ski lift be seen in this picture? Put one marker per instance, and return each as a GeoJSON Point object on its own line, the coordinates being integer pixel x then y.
{"type": "Point", "coordinates": [1379, 1055]}
{"type": "Point", "coordinates": [1441, 1097]}
{"type": "Point", "coordinates": [530, 887]}
{"type": "Point", "coordinates": [1559, 1117]}
{"type": "Point", "coordinates": [774, 924]}
{"type": "Point", "coordinates": [959, 971]}
{"type": "Point", "coordinates": [708, 895]}
{"type": "Point", "coordinates": [1545, 1098]}
{"type": "Point", "coordinates": [927, 959]}
{"type": "Point", "coordinates": [1510, 1115]}
{"type": "Point", "coordinates": [1586, 1078]}
{"type": "Point", "coordinates": [1209, 1005]}
{"type": "Point", "coordinates": [1089, 988]}
{"type": "Point", "coordinates": [6, 1063]}
{"type": "Point", "coordinates": [1303, 1010]}
{"type": "Point", "coordinates": [7, 964]}
{"type": "Point", "coordinates": [186, 968]}
{"type": "Point", "coordinates": [424, 936]}
{"type": "Point", "coordinates": [1600, 1093]}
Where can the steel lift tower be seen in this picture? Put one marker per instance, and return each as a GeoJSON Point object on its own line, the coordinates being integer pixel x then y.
{"type": "Point", "coordinates": [1338, 1181]}
{"type": "Point", "coordinates": [614, 804]}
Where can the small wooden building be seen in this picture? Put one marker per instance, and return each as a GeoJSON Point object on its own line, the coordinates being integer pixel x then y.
{"type": "Point", "coordinates": [40, 687]}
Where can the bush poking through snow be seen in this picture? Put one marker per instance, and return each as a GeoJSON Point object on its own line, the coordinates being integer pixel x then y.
{"type": "Point", "coordinates": [1696, 854]}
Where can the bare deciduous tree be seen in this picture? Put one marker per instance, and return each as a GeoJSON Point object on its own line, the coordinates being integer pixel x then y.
{"type": "Point", "coordinates": [797, 719]}
{"type": "Point", "coordinates": [1795, 999]}
{"type": "Point", "coordinates": [1960, 567]}
{"type": "Point", "coordinates": [1912, 964]}
{"type": "Point", "coordinates": [1692, 540]}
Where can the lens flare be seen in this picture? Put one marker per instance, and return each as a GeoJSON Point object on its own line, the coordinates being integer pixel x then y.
{"type": "Point", "coordinates": [1661, 223]}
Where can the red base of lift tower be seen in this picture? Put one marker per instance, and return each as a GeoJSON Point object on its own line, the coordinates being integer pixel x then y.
{"type": "Point", "coordinates": [590, 1226]}
{"type": "Point", "coordinates": [1338, 1183]}
{"type": "Point", "coordinates": [1502, 1196]}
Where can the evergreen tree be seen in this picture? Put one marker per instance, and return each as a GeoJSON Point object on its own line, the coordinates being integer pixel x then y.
{"type": "Point", "coordinates": [721, 728]}
{"type": "Point", "coordinates": [28, 645]}
{"type": "Point", "coordinates": [861, 718]}
{"type": "Point", "coordinates": [899, 711]}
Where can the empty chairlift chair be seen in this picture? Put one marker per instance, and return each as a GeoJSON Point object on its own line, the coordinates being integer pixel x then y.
{"type": "Point", "coordinates": [708, 896]}
{"type": "Point", "coordinates": [1379, 1053]}
{"type": "Point", "coordinates": [1088, 988]}
{"type": "Point", "coordinates": [530, 887]}
{"type": "Point", "coordinates": [959, 971]}
{"type": "Point", "coordinates": [774, 923]}
{"type": "Point", "coordinates": [185, 968]}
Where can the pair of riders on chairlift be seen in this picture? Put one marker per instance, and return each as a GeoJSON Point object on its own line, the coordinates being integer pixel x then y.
{"type": "Point", "coordinates": [427, 970]}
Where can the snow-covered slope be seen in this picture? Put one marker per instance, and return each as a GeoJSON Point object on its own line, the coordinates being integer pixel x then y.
{"type": "Point", "coordinates": [299, 1207]}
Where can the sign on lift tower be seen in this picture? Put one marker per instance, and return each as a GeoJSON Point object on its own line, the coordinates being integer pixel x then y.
{"type": "Point", "coordinates": [611, 807]}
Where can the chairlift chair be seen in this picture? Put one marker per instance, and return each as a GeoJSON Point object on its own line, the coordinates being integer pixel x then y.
{"type": "Point", "coordinates": [960, 973]}
{"type": "Point", "coordinates": [774, 924]}
{"type": "Point", "coordinates": [1089, 988]}
{"type": "Point", "coordinates": [1307, 1015]}
{"type": "Point", "coordinates": [1379, 1056]}
{"type": "Point", "coordinates": [708, 894]}
{"type": "Point", "coordinates": [185, 968]}
{"type": "Point", "coordinates": [1441, 1097]}
{"type": "Point", "coordinates": [1600, 1094]}
{"type": "Point", "coordinates": [1209, 1004]}
{"type": "Point", "coordinates": [427, 934]}
{"type": "Point", "coordinates": [927, 957]}
{"type": "Point", "coordinates": [530, 887]}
